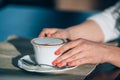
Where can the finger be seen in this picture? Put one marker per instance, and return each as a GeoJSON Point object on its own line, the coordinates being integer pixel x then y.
{"type": "Point", "coordinates": [56, 35]}
{"type": "Point", "coordinates": [59, 34]}
{"type": "Point", "coordinates": [66, 47]}
{"type": "Point", "coordinates": [49, 35]}
{"type": "Point", "coordinates": [74, 57]}
{"type": "Point", "coordinates": [80, 61]}
{"type": "Point", "coordinates": [43, 34]}
{"type": "Point", "coordinates": [70, 55]}
{"type": "Point", "coordinates": [70, 59]}
{"type": "Point", "coordinates": [47, 31]}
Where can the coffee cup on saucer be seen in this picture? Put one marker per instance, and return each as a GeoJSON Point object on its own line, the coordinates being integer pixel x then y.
{"type": "Point", "coordinates": [45, 48]}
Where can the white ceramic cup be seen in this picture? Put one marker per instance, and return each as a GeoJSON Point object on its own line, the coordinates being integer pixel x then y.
{"type": "Point", "coordinates": [45, 48]}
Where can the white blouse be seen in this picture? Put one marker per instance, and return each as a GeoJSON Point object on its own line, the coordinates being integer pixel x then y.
{"type": "Point", "coordinates": [107, 21]}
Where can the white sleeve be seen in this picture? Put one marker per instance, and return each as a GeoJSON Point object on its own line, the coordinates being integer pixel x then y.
{"type": "Point", "coordinates": [107, 23]}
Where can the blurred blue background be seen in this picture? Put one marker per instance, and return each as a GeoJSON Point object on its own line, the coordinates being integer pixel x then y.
{"type": "Point", "coordinates": [28, 21]}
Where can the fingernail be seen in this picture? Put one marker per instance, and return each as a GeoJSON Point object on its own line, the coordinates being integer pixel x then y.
{"type": "Point", "coordinates": [57, 52]}
{"type": "Point", "coordinates": [69, 63]}
{"type": "Point", "coordinates": [59, 64]}
{"type": "Point", "coordinates": [55, 62]}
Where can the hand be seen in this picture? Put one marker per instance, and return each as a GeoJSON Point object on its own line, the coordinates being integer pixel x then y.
{"type": "Point", "coordinates": [54, 32]}
{"type": "Point", "coordinates": [82, 51]}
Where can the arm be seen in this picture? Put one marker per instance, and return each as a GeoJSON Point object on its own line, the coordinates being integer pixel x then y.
{"type": "Point", "coordinates": [88, 30]}
{"type": "Point", "coordinates": [100, 27]}
{"type": "Point", "coordinates": [81, 51]}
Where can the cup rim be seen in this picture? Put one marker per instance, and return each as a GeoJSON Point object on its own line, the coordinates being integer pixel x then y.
{"type": "Point", "coordinates": [32, 41]}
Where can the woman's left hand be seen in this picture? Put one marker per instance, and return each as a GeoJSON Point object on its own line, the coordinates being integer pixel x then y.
{"type": "Point", "coordinates": [82, 51]}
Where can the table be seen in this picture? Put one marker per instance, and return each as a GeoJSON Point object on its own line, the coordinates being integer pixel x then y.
{"type": "Point", "coordinates": [15, 47]}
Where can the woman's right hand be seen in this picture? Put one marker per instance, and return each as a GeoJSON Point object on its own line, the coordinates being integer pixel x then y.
{"type": "Point", "coordinates": [55, 32]}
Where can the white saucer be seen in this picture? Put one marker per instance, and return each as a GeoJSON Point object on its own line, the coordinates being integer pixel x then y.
{"type": "Point", "coordinates": [37, 68]}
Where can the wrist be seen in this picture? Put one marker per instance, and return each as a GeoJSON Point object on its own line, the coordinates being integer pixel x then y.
{"type": "Point", "coordinates": [113, 56]}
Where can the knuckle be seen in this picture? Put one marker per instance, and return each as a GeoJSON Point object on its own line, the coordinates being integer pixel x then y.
{"type": "Point", "coordinates": [59, 31]}
{"type": "Point", "coordinates": [60, 34]}
{"type": "Point", "coordinates": [71, 43]}
{"type": "Point", "coordinates": [57, 34]}
{"type": "Point", "coordinates": [82, 40]}
{"type": "Point", "coordinates": [74, 57]}
{"type": "Point", "coordinates": [70, 52]}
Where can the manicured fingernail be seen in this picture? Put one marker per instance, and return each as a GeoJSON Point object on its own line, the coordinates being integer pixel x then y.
{"type": "Point", "coordinates": [69, 63]}
{"type": "Point", "coordinates": [59, 64]}
{"type": "Point", "coordinates": [55, 62]}
{"type": "Point", "coordinates": [57, 52]}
